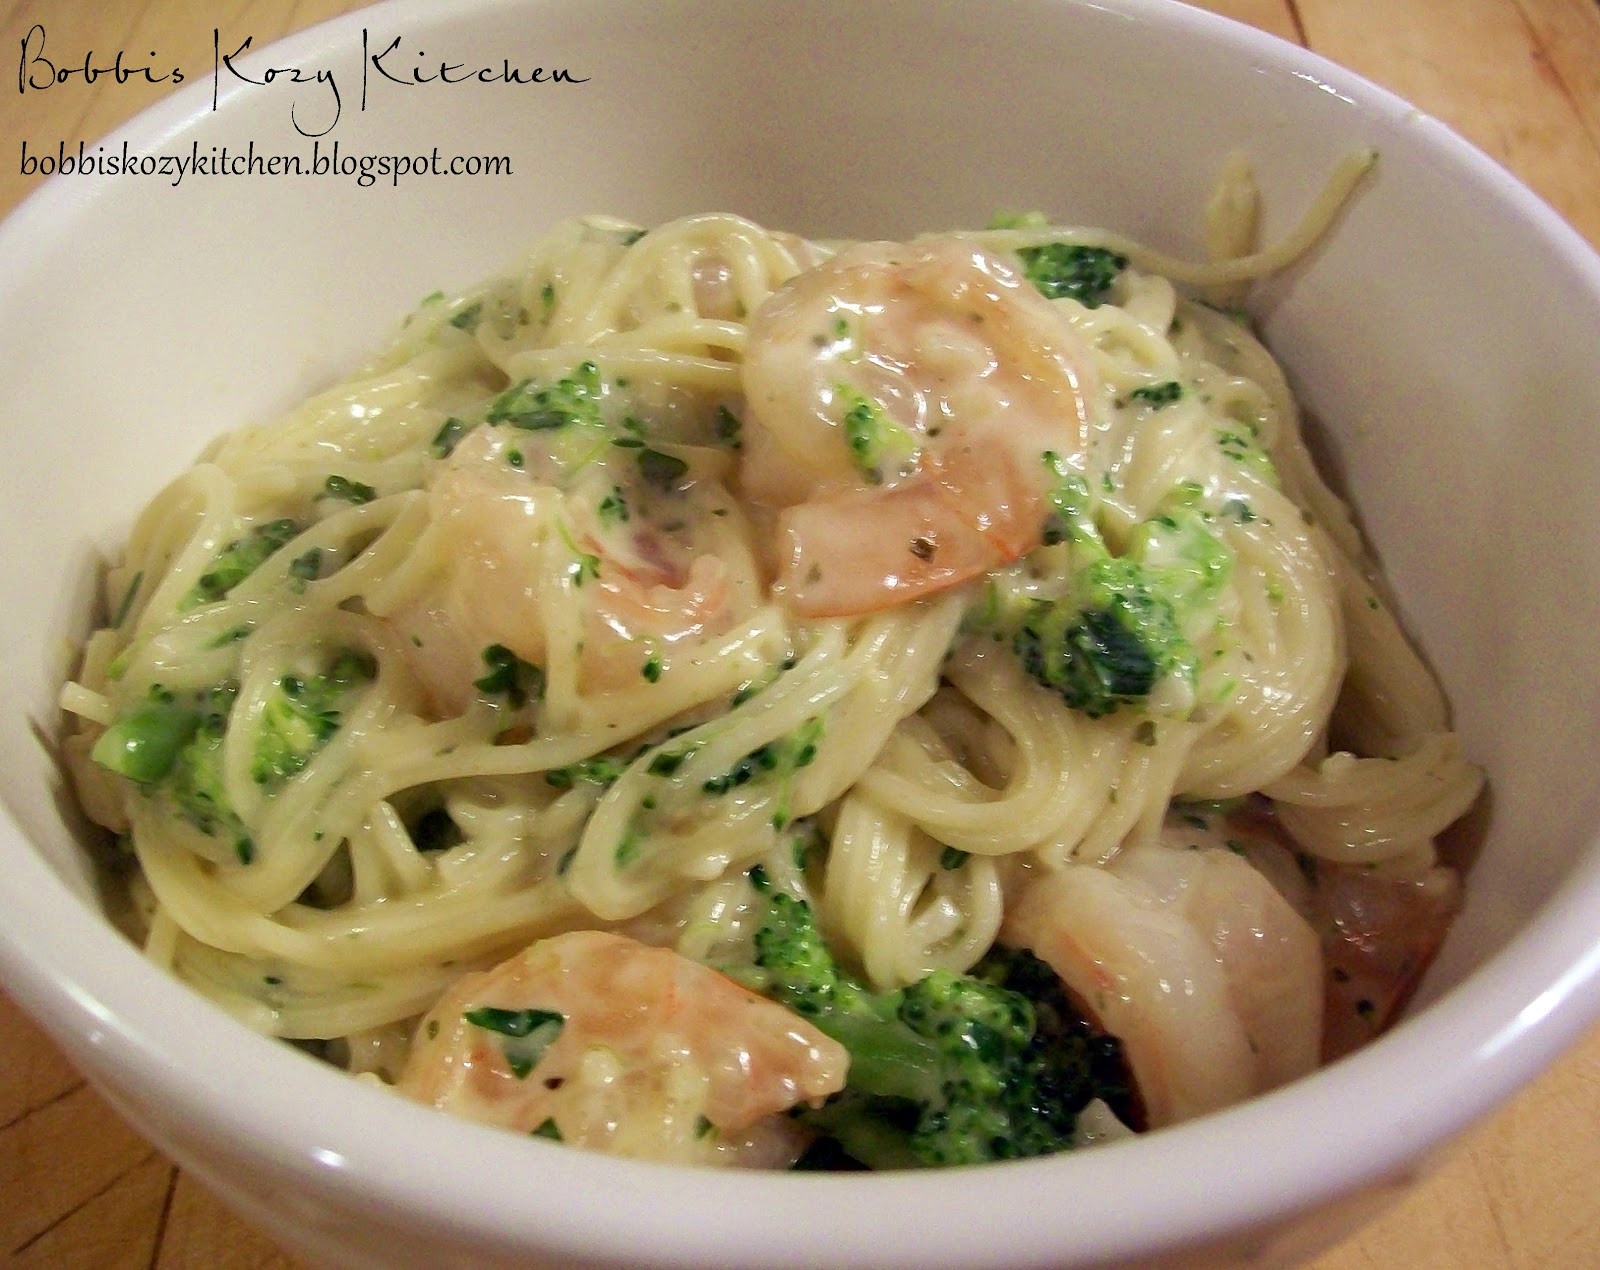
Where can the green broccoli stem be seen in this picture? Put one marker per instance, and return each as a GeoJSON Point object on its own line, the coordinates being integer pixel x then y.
{"type": "Point", "coordinates": [887, 1059]}
{"type": "Point", "coordinates": [867, 1141]}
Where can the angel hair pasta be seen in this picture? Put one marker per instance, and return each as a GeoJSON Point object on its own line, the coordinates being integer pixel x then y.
{"type": "Point", "coordinates": [720, 697]}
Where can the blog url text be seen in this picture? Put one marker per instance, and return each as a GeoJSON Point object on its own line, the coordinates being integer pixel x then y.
{"type": "Point", "coordinates": [204, 162]}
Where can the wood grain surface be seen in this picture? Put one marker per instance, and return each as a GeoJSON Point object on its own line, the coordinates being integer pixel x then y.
{"type": "Point", "coordinates": [1520, 78]}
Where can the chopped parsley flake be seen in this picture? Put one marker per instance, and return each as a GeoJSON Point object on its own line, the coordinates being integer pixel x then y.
{"type": "Point", "coordinates": [953, 858]}
{"type": "Point", "coordinates": [600, 770]}
{"type": "Point", "coordinates": [449, 435]}
{"type": "Point", "coordinates": [573, 400]}
{"type": "Point", "coordinates": [614, 507]}
{"type": "Point", "coordinates": [1158, 395]}
{"type": "Point", "coordinates": [342, 487]}
{"type": "Point", "coordinates": [526, 1034]}
{"type": "Point", "coordinates": [307, 567]}
{"type": "Point", "coordinates": [664, 471]}
{"type": "Point", "coordinates": [509, 676]}
{"type": "Point", "coordinates": [127, 599]}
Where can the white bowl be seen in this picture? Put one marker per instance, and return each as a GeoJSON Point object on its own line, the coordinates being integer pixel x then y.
{"type": "Point", "coordinates": [1446, 334]}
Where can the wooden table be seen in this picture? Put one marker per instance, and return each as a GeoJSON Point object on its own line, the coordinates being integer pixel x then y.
{"type": "Point", "coordinates": [1520, 78]}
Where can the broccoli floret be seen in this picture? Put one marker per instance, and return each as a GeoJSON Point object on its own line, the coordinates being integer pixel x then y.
{"type": "Point", "coordinates": [1076, 1062]}
{"type": "Point", "coordinates": [238, 560]}
{"type": "Point", "coordinates": [795, 967]}
{"type": "Point", "coordinates": [1084, 273]}
{"type": "Point", "coordinates": [173, 747]}
{"type": "Point", "coordinates": [301, 714]}
{"type": "Point", "coordinates": [953, 1069]}
{"type": "Point", "coordinates": [1070, 518]}
{"type": "Point", "coordinates": [1106, 645]}
{"type": "Point", "coordinates": [880, 446]}
{"type": "Point", "coordinates": [1178, 546]}
{"type": "Point", "coordinates": [196, 786]}
{"type": "Point", "coordinates": [790, 951]}
{"type": "Point", "coordinates": [1111, 628]}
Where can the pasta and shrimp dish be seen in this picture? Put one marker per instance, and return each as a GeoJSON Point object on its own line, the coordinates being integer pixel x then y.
{"type": "Point", "coordinates": [721, 697]}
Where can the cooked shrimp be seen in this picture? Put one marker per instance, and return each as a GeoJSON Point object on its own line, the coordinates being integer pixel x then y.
{"type": "Point", "coordinates": [1379, 933]}
{"type": "Point", "coordinates": [1380, 927]}
{"type": "Point", "coordinates": [1211, 981]}
{"type": "Point", "coordinates": [517, 528]}
{"type": "Point", "coordinates": [614, 1045]}
{"type": "Point", "coordinates": [901, 399]}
